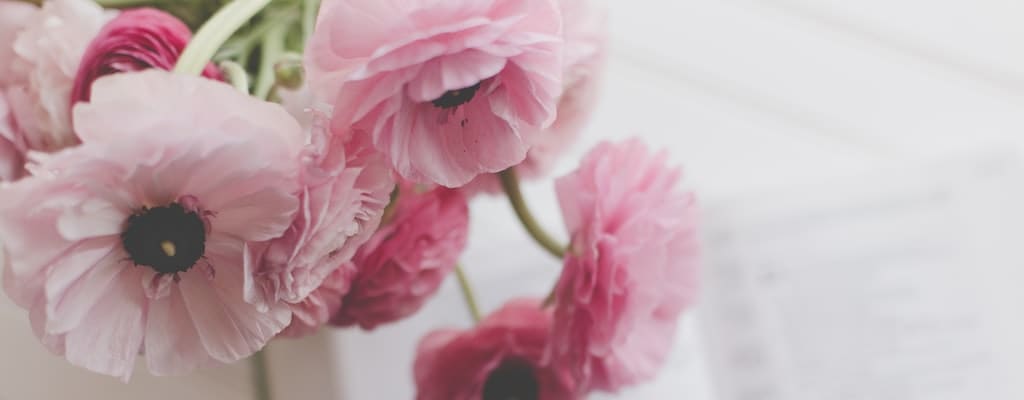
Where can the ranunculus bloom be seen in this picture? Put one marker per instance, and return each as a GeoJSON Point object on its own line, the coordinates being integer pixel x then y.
{"type": "Point", "coordinates": [448, 90]}
{"type": "Point", "coordinates": [133, 241]}
{"type": "Point", "coordinates": [585, 23]}
{"type": "Point", "coordinates": [42, 72]}
{"type": "Point", "coordinates": [345, 187]}
{"type": "Point", "coordinates": [316, 309]}
{"type": "Point", "coordinates": [135, 40]}
{"type": "Point", "coordinates": [501, 358]}
{"type": "Point", "coordinates": [631, 268]}
{"type": "Point", "coordinates": [405, 262]}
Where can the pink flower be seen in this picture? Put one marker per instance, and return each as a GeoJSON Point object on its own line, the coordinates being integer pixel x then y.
{"type": "Point", "coordinates": [135, 40]}
{"type": "Point", "coordinates": [501, 358]}
{"type": "Point", "coordinates": [316, 309]}
{"type": "Point", "coordinates": [405, 262]}
{"type": "Point", "coordinates": [345, 187]}
{"type": "Point", "coordinates": [631, 269]}
{"type": "Point", "coordinates": [133, 242]}
{"type": "Point", "coordinates": [449, 89]}
{"type": "Point", "coordinates": [42, 72]}
{"type": "Point", "coordinates": [585, 23]}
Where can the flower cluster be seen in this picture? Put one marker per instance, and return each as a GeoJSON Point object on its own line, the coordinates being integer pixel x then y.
{"type": "Point", "coordinates": [189, 198]}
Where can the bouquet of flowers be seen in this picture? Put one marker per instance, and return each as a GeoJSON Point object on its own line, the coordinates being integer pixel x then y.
{"type": "Point", "coordinates": [300, 164]}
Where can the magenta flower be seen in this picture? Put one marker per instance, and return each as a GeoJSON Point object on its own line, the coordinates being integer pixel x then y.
{"type": "Point", "coordinates": [631, 268]}
{"type": "Point", "coordinates": [135, 40]}
{"type": "Point", "coordinates": [39, 77]}
{"type": "Point", "coordinates": [316, 309]}
{"type": "Point", "coordinates": [448, 90]}
{"type": "Point", "coordinates": [133, 241]}
{"type": "Point", "coordinates": [345, 187]}
{"type": "Point", "coordinates": [405, 262]}
{"type": "Point", "coordinates": [501, 358]}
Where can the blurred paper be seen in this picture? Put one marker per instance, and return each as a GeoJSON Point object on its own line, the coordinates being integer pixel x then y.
{"type": "Point", "coordinates": [903, 286]}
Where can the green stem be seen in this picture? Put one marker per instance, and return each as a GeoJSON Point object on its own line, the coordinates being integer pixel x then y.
{"type": "Point", "coordinates": [510, 183]}
{"type": "Point", "coordinates": [260, 377]}
{"type": "Point", "coordinates": [212, 35]}
{"type": "Point", "coordinates": [236, 75]}
{"type": "Point", "coordinates": [270, 53]}
{"type": "Point", "coordinates": [309, 11]}
{"type": "Point", "coordinates": [467, 294]}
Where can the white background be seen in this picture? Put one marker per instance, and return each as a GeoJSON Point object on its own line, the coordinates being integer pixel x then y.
{"type": "Point", "coordinates": [747, 94]}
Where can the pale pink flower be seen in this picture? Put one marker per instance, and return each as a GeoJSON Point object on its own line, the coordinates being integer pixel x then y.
{"type": "Point", "coordinates": [501, 358]}
{"type": "Point", "coordinates": [447, 89]}
{"type": "Point", "coordinates": [133, 241]}
{"type": "Point", "coordinates": [47, 52]}
{"type": "Point", "coordinates": [585, 56]}
{"type": "Point", "coordinates": [404, 263]}
{"type": "Point", "coordinates": [345, 187]}
{"type": "Point", "coordinates": [316, 309]}
{"type": "Point", "coordinates": [631, 268]}
{"type": "Point", "coordinates": [135, 40]}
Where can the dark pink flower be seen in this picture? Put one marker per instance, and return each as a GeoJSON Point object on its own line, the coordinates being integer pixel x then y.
{"type": "Point", "coordinates": [135, 40]}
{"type": "Point", "coordinates": [631, 268]}
{"type": "Point", "coordinates": [406, 260]}
{"type": "Point", "coordinates": [448, 89]}
{"type": "Point", "coordinates": [501, 358]}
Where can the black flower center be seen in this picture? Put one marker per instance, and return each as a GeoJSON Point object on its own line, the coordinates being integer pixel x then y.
{"type": "Point", "coordinates": [457, 97]}
{"type": "Point", "coordinates": [169, 239]}
{"type": "Point", "coordinates": [512, 380]}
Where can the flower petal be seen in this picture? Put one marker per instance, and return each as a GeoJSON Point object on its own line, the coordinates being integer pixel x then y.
{"type": "Point", "coordinates": [230, 328]}
{"type": "Point", "coordinates": [111, 340]}
{"type": "Point", "coordinates": [77, 282]}
{"type": "Point", "coordinates": [173, 345]}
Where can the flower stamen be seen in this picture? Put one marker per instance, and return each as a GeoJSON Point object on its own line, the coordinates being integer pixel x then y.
{"type": "Point", "coordinates": [170, 239]}
{"type": "Point", "coordinates": [512, 380]}
{"type": "Point", "coordinates": [454, 98]}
